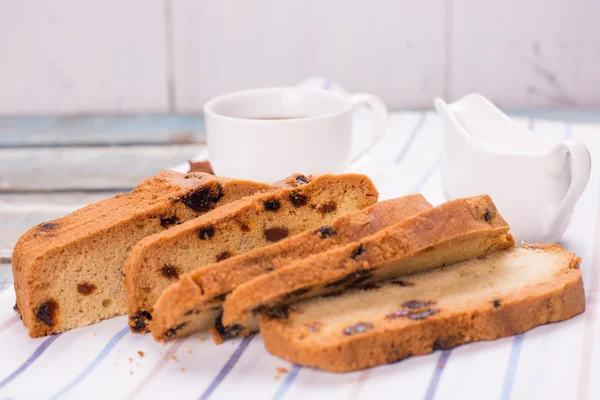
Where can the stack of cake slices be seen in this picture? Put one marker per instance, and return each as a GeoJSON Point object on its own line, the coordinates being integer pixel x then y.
{"type": "Point", "coordinates": [332, 278]}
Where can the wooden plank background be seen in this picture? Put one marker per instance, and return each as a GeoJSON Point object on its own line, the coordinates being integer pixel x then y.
{"type": "Point", "coordinates": [50, 166]}
{"type": "Point", "coordinates": [68, 168]}
{"type": "Point", "coordinates": [551, 361]}
{"type": "Point", "coordinates": [523, 57]}
{"type": "Point", "coordinates": [72, 57]}
{"type": "Point", "coordinates": [84, 56]}
{"type": "Point", "coordinates": [145, 129]}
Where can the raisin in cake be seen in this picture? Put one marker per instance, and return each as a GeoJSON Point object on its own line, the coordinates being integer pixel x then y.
{"type": "Point", "coordinates": [256, 221]}
{"type": "Point", "coordinates": [454, 231]}
{"type": "Point", "coordinates": [68, 271]}
{"type": "Point", "coordinates": [503, 294]}
{"type": "Point", "coordinates": [193, 303]}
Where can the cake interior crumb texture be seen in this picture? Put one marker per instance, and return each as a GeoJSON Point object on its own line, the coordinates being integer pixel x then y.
{"type": "Point", "coordinates": [68, 272]}
{"type": "Point", "coordinates": [236, 228]}
{"type": "Point", "coordinates": [452, 232]}
{"type": "Point", "coordinates": [505, 293]}
{"type": "Point", "coordinates": [195, 301]}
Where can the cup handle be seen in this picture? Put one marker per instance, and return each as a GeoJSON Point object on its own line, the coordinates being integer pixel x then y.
{"type": "Point", "coordinates": [580, 173]}
{"type": "Point", "coordinates": [381, 117]}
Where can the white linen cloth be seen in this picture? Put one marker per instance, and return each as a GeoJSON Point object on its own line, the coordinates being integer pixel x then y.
{"type": "Point", "coordinates": [106, 361]}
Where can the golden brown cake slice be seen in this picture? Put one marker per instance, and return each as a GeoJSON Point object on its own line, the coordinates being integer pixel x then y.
{"type": "Point", "coordinates": [193, 303]}
{"type": "Point", "coordinates": [256, 221]}
{"type": "Point", "coordinates": [503, 294]}
{"type": "Point", "coordinates": [68, 271]}
{"type": "Point", "coordinates": [454, 231]}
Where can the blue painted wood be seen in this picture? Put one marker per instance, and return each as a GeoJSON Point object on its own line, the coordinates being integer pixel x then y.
{"type": "Point", "coordinates": [47, 131]}
{"type": "Point", "coordinates": [87, 168]}
{"type": "Point", "coordinates": [156, 129]}
{"type": "Point", "coordinates": [6, 277]}
{"type": "Point", "coordinates": [591, 116]}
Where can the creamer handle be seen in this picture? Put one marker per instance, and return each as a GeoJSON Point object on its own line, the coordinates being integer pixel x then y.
{"type": "Point", "coordinates": [580, 174]}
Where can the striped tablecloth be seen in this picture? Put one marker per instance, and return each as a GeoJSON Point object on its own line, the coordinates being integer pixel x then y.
{"type": "Point", "coordinates": [552, 361]}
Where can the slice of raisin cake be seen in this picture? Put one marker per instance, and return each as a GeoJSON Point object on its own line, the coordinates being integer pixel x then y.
{"type": "Point", "coordinates": [503, 294]}
{"type": "Point", "coordinates": [454, 231]}
{"type": "Point", "coordinates": [193, 303]}
{"type": "Point", "coordinates": [303, 203]}
{"type": "Point", "coordinates": [68, 271]}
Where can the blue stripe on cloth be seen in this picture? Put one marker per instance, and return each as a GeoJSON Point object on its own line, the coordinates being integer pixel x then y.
{"type": "Point", "coordinates": [101, 356]}
{"type": "Point", "coordinates": [427, 173]}
{"type": "Point", "coordinates": [411, 138]}
{"type": "Point", "coordinates": [34, 356]}
{"type": "Point", "coordinates": [509, 379]}
{"type": "Point", "coordinates": [437, 374]}
{"type": "Point", "coordinates": [227, 367]}
{"type": "Point", "coordinates": [289, 380]}
{"type": "Point", "coordinates": [515, 353]}
{"type": "Point", "coordinates": [287, 383]}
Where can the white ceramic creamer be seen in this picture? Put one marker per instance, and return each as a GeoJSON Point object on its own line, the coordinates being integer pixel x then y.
{"type": "Point", "coordinates": [535, 182]}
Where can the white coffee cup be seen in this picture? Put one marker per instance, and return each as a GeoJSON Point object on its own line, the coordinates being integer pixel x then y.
{"type": "Point", "coordinates": [268, 134]}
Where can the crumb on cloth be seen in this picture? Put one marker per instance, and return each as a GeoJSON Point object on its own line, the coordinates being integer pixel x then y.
{"type": "Point", "coordinates": [280, 371]}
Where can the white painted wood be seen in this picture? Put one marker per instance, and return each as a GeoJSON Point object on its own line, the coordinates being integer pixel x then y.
{"type": "Point", "coordinates": [97, 168]}
{"type": "Point", "coordinates": [69, 56]}
{"type": "Point", "coordinates": [6, 279]}
{"type": "Point", "coordinates": [221, 46]}
{"type": "Point", "coordinates": [393, 49]}
{"type": "Point", "coordinates": [14, 224]}
{"type": "Point", "coordinates": [19, 212]}
{"type": "Point", "coordinates": [535, 53]}
{"type": "Point", "coordinates": [5, 256]}
{"type": "Point", "coordinates": [587, 52]}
